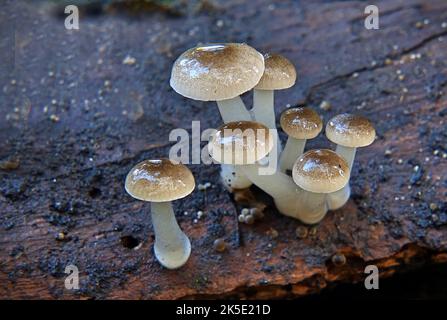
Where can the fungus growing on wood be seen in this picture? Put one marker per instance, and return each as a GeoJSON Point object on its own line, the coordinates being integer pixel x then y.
{"type": "Point", "coordinates": [349, 132]}
{"type": "Point", "coordinates": [300, 124]}
{"type": "Point", "coordinates": [221, 73]}
{"type": "Point", "coordinates": [279, 74]}
{"type": "Point", "coordinates": [245, 143]}
{"type": "Point", "coordinates": [160, 182]}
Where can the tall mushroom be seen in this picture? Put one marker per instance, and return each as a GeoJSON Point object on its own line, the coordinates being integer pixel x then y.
{"type": "Point", "coordinates": [160, 182]}
{"type": "Point", "coordinates": [319, 172]}
{"type": "Point", "coordinates": [244, 144]}
{"type": "Point", "coordinates": [300, 124]}
{"type": "Point", "coordinates": [221, 73]}
{"type": "Point", "coordinates": [279, 74]}
{"type": "Point", "coordinates": [349, 132]}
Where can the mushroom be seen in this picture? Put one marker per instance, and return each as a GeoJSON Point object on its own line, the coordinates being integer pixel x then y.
{"type": "Point", "coordinates": [160, 182]}
{"type": "Point", "coordinates": [349, 132]}
{"type": "Point", "coordinates": [319, 172]}
{"type": "Point", "coordinates": [245, 143]}
{"type": "Point", "coordinates": [300, 124]}
{"type": "Point", "coordinates": [219, 72]}
{"type": "Point", "coordinates": [279, 74]}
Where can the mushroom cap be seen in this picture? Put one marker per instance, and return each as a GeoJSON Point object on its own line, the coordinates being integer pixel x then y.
{"type": "Point", "coordinates": [321, 171]}
{"type": "Point", "coordinates": [159, 180]}
{"type": "Point", "coordinates": [350, 130]}
{"type": "Point", "coordinates": [240, 142]}
{"type": "Point", "coordinates": [301, 123]}
{"type": "Point", "coordinates": [217, 71]}
{"type": "Point", "coordinates": [279, 73]}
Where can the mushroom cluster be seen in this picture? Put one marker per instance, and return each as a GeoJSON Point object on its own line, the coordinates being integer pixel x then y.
{"type": "Point", "coordinates": [304, 186]}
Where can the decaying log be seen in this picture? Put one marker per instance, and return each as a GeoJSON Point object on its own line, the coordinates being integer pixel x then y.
{"type": "Point", "coordinates": [81, 107]}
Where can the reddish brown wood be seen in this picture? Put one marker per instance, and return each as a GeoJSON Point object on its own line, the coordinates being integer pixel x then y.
{"type": "Point", "coordinates": [71, 172]}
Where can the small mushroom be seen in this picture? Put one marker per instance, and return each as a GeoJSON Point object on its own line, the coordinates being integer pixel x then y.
{"type": "Point", "coordinates": [221, 73]}
{"type": "Point", "coordinates": [300, 124]}
{"type": "Point", "coordinates": [160, 182]}
{"type": "Point", "coordinates": [279, 74]}
{"type": "Point", "coordinates": [319, 172]}
{"type": "Point", "coordinates": [349, 132]}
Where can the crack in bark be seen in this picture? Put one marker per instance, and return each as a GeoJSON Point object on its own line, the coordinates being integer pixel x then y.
{"type": "Point", "coordinates": [341, 77]}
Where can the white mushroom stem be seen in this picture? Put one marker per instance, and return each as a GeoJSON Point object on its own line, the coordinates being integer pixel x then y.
{"type": "Point", "coordinates": [172, 247]}
{"type": "Point", "coordinates": [263, 107]}
{"type": "Point", "coordinates": [347, 153]}
{"type": "Point", "coordinates": [337, 199]}
{"type": "Point", "coordinates": [264, 111]}
{"type": "Point", "coordinates": [233, 110]}
{"type": "Point", "coordinates": [289, 199]}
{"type": "Point", "coordinates": [293, 149]}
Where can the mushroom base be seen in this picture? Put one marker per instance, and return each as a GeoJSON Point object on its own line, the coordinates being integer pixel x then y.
{"type": "Point", "coordinates": [338, 199]}
{"type": "Point", "coordinates": [233, 178]}
{"type": "Point", "coordinates": [290, 200]}
{"type": "Point", "coordinates": [172, 247]}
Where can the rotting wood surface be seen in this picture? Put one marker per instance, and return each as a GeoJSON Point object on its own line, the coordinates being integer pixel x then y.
{"type": "Point", "coordinates": [80, 108]}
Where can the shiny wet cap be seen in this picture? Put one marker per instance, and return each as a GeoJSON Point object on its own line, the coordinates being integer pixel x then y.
{"type": "Point", "coordinates": [301, 123]}
{"type": "Point", "coordinates": [350, 130]}
{"type": "Point", "coordinates": [279, 73]}
{"type": "Point", "coordinates": [321, 171]}
{"type": "Point", "coordinates": [240, 142]}
{"type": "Point", "coordinates": [159, 181]}
{"type": "Point", "coordinates": [217, 72]}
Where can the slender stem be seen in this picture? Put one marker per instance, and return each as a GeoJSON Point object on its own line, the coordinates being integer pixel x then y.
{"type": "Point", "coordinates": [264, 111]}
{"type": "Point", "coordinates": [347, 153]}
{"type": "Point", "coordinates": [172, 247]}
{"type": "Point", "coordinates": [233, 110]}
{"type": "Point", "coordinates": [263, 107]}
{"type": "Point", "coordinates": [337, 199]}
{"type": "Point", "coordinates": [293, 149]}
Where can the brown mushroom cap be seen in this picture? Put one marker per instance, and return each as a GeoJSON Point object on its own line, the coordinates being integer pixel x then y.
{"type": "Point", "coordinates": [350, 130]}
{"type": "Point", "coordinates": [159, 181]}
{"type": "Point", "coordinates": [240, 142]}
{"type": "Point", "coordinates": [301, 123]}
{"type": "Point", "coordinates": [279, 73]}
{"type": "Point", "coordinates": [320, 171]}
{"type": "Point", "coordinates": [217, 71]}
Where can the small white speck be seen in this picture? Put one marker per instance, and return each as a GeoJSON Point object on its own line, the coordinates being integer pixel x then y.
{"type": "Point", "coordinates": [129, 60]}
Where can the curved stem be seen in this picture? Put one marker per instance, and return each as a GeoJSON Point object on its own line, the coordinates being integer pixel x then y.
{"type": "Point", "coordinates": [276, 185]}
{"type": "Point", "coordinates": [172, 247]}
{"type": "Point", "coordinates": [289, 199]}
{"type": "Point", "coordinates": [338, 199]}
{"type": "Point", "coordinates": [233, 110]}
{"type": "Point", "coordinates": [293, 149]}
